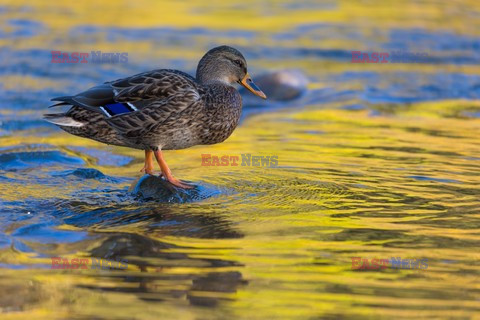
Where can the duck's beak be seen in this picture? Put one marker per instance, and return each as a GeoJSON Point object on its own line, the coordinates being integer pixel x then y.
{"type": "Point", "coordinates": [248, 83]}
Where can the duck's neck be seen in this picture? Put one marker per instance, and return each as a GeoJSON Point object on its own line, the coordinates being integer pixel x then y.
{"type": "Point", "coordinates": [207, 79]}
{"type": "Point", "coordinates": [208, 73]}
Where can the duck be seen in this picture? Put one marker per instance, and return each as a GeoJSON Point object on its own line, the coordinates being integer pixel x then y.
{"type": "Point", "coordinates": [162, 109]}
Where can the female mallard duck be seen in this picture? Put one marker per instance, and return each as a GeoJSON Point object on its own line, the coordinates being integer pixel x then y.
{"type": "Point", "coordinates": [162, 109]}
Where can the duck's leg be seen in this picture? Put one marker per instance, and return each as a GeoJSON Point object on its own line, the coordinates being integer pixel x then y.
{"type": "Point", "coordinates": [166, 171]}
{"type": "Point", "coordinates": [148, 167]}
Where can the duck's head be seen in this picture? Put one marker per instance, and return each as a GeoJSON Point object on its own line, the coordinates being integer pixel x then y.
{"type": "Point", "coordinates": [226, 64]}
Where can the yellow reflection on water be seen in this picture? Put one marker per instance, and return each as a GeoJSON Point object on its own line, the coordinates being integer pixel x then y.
{"type": "Point", "coordinates": [304, 220]}
{"type": "Point", "coordinates": [276, 242]}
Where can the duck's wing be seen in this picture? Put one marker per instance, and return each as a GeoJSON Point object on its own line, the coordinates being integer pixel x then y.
{"type": "Point", "coordinates": [131, 94]}
{"type": "Point", "coordinates": [175, 111]}
{"type": "Point", "coordinates": [135, 105]}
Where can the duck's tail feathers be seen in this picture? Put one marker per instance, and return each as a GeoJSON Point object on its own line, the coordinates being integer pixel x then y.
{"type": "Point", "coordinates": [74, 101]}
{"type": "Point", "coordinates": [61, 119]}
{"type": "Point", "coordinates": [64, 99]}
{"type": "Point", "coordinates": [59, 104]}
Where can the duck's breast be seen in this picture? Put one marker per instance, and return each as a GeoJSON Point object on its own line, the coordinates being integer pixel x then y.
{"type": "Point", "coordinates": [223, 105]}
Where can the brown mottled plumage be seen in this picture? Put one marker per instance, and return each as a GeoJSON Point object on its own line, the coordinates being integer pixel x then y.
{"type": "Point", "coordinates": [162, 109]}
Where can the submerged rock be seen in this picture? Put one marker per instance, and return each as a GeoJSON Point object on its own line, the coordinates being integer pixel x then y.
{"type": "Point", "coordinates": [150, 187]}
{"type": "Point", "coordinates": [282, 85]}
{"type": "Point", "coordinates": [88, 173]}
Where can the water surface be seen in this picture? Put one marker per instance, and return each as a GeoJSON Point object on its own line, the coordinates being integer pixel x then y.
{"type": "Point", "coordinates": [374, 161]}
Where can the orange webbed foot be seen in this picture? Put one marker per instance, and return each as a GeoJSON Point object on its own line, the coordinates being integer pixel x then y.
{"type": "Point", "coordinates": [179, 183]}
{"type": "Point", "coordinates": [167, 173]}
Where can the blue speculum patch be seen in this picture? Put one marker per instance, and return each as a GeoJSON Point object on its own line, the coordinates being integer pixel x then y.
{"type": "Point", "coordinates": [117, 108]}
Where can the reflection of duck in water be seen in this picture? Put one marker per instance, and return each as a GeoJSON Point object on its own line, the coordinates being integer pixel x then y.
{"type": "Point", "coordinates": [162, 109]}
{"type": "Point", "coordinates": [155, 280]}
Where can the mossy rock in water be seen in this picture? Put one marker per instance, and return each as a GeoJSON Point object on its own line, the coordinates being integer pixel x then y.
{"type": "Point", "coordinates": [149, 187]}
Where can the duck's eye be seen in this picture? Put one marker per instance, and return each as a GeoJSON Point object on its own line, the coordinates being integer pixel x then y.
{"type": "Point", "coordinates": [238, 62]}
